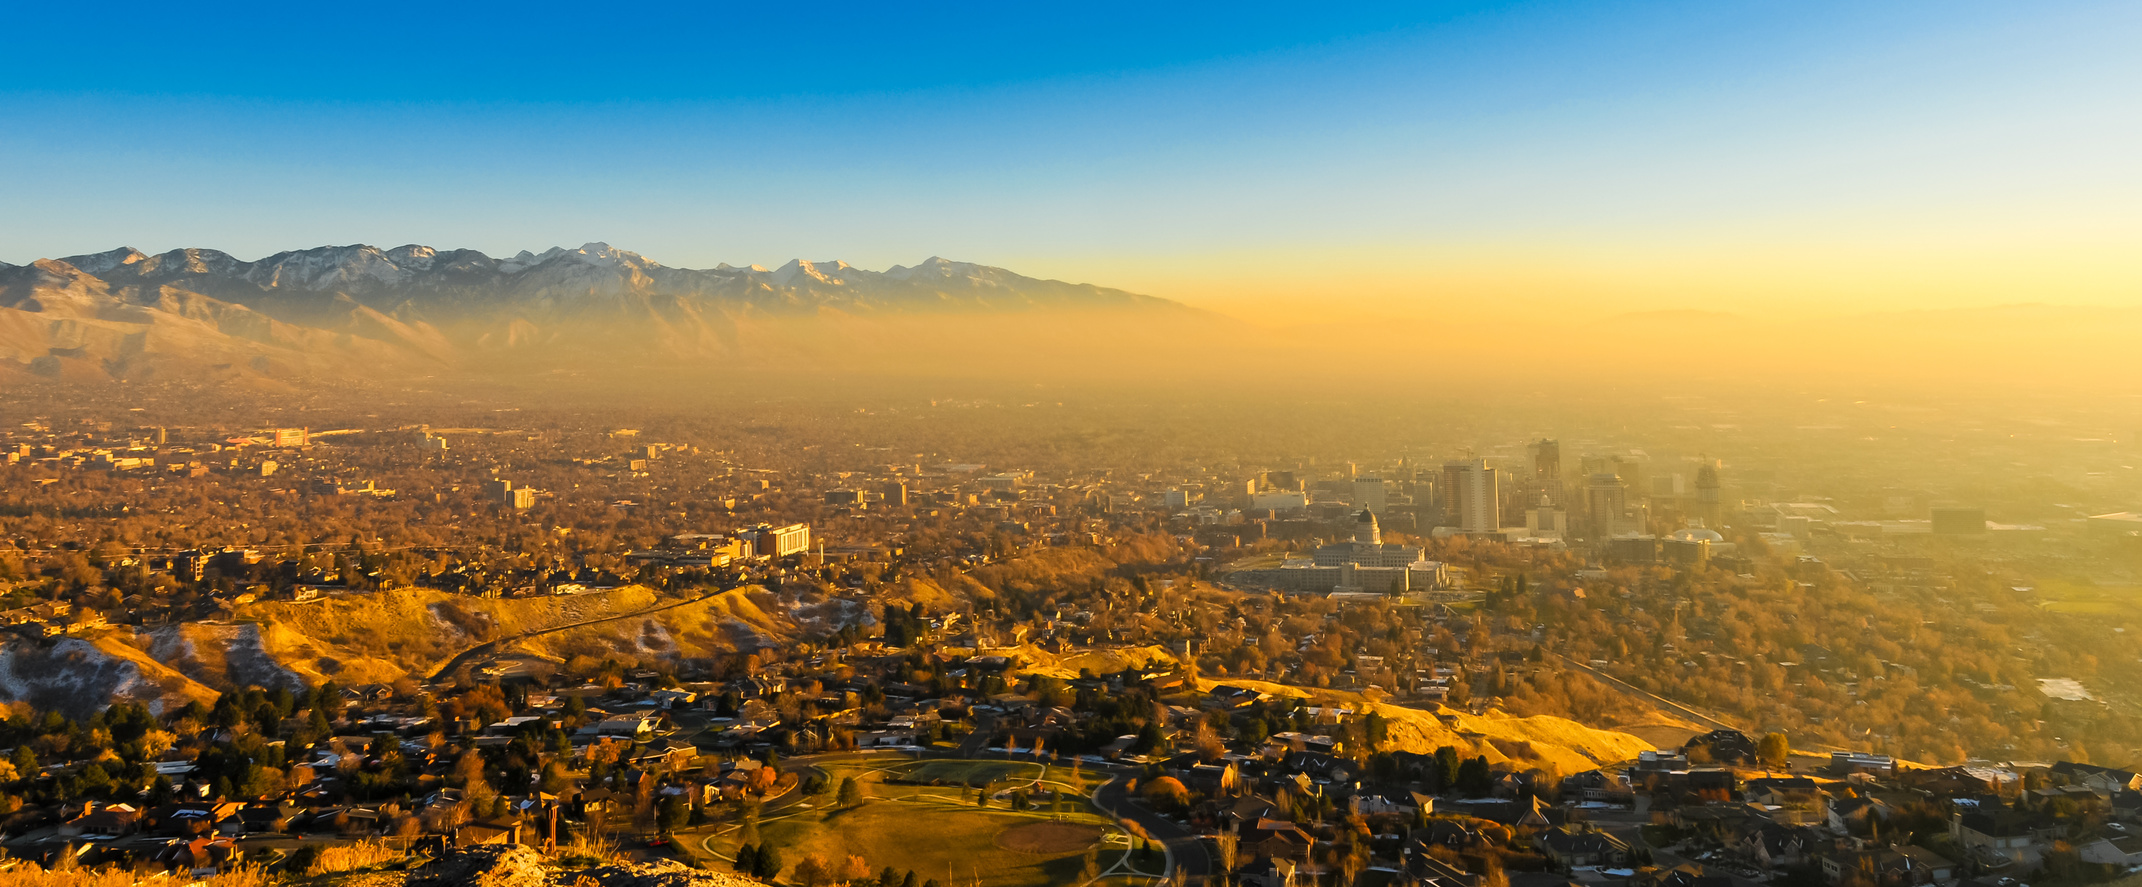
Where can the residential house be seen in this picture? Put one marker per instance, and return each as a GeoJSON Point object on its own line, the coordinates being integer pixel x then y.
{"type": "Point", "coordinates": [185, 819]}
{"type": "Point", "coordinates": [1598, 787]}
{"type": "Point", "coordinates": [1277, 839]}
{"type": "Point", "coordinates": [2103, 780]}
{"type": "Point", "coordinates": [110, 820]}
{"type": "Point", "coordinates": [1998, 839]}
{"type": "Point", "coordinates": [1374, 803]}
{"type": "Point", "coordinates": [1955, 781]}
{"type": "Point", "coordinates": [201, 857]}
{"type": "Point", "coordinates": [1571, 849]}
{"type": "Point", "coordinates": [1856, 815]}
{"type": "Point", "coordinates": [1722, 746]}
{"type": "Point", "coordinates": [665, 754]}
{"type": "Point", "coordinates": [1791, 801]}
{"type": "Point", "coordinates": [629, 725]}
{"type": "Point", "coordinates": [1687, 874]}
{"type": "Point", "coordinates": [1772, 846]}
{"type": "Point", "coordinates": [2127, 806]}
{"type": "Point", "coordinates": [1906, 866]}
{"type": "Point", "coordinates": [1845, 763]}
{"type": "Point", "coordinates": [2124, 850]}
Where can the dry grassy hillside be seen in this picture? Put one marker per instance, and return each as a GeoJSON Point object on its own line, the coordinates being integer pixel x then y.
{"type": "Point", "coordinates": [378, 638]}
{"type": "Point", "coordinates": [1555, 744]}
{"type": "Point", "coordinates": [77, 676]}
{"type": "Point", "coordinates": [263, 654]}
{"type": "Point", "coordinates": [413, 631]}
{"type": "Point", "coordinates": [743, 619]}
{"type": "Point", "coordinates": [1067, 665]}
{"type": "Point", "coordinates": [925, 591]}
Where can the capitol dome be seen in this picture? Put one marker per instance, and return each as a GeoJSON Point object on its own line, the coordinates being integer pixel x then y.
{"type": "Point", "coordinates": [1366, 529]}
{"type": "Point", "coordinates": [1694, 534]}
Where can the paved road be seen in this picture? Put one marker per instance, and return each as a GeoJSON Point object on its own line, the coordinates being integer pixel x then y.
{"type": "Point", "coordinates": [1184, 848]}
{"type": "Point", "coordinates": [1654, 698]}
{"type": "Point", "coordinates": [1679, 708]}
{"type": "Point", "coordinates": [486, 648]}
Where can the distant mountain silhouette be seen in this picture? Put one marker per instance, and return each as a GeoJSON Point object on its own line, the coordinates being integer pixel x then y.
{"type": "Point", "coordinates": [354, 309]}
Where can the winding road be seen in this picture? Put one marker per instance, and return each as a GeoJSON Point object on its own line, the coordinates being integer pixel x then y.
{"type": "Point", "coordinates": [1701, 718]}
{"type": "Point", "coordinates": [1184, 848]}
{"type": "Point", "coordinates": [1681, 709]}
{"type": "Point", "coordinates": [461, 659]}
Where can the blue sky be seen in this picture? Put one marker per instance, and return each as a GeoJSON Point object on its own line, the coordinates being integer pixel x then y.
{"type": "Point", "coordinates": [1411, 158]}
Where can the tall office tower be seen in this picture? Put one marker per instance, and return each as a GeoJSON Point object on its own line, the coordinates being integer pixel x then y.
{"type": "Point", "coordinates": [1606, 503]}
{"type": "Point", "coordinates": [1470, 501]}
{"type": "Point", "coordinates": [1630, 468]}
{"type": "Point", "coordinates": [1370, 494]}
{"type": "Point", "coordinates": [1708, 507]}
{"type": "Point", "coordinates": [1547, 460]}
{"type": "Point", "coordinates": [895, 494]}
{"type": "Point", "coordinates": [1450, 494]}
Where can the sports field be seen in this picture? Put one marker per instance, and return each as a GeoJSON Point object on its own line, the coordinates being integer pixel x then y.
{"type": "Point", "coordinates": [939, 832]}
{"type": "Point", "coordinates": [2082, 598]}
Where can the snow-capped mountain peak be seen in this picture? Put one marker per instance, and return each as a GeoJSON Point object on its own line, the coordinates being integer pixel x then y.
{"type": "Point", "coordinates": [595, 274]}
{"type": "Point", "coordinates": [828, 272]}
{"type": "Point", "coordinates": [100, 263]}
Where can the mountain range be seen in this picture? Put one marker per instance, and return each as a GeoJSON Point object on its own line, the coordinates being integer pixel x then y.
{"type": "Point", "coordinates": [123, 313]}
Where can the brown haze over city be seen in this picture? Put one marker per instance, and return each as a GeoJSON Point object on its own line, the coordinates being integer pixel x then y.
{"type": "Point", "coordinates": [1667, 443]}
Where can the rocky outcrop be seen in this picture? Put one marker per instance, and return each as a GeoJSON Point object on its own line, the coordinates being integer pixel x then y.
{"type": "Point", "coordinates": [512, 865]}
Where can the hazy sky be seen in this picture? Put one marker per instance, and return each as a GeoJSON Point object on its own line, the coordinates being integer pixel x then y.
{"type": "Point", "coordinates": [1332, 162]}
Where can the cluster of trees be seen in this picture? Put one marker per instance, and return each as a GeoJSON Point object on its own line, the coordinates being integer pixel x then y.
{"type": "Point", "coordinates": [854, 871]}
{"type": "Point", "coordinates": [1447, 772]}
{"type": "Point", "coordinates": [1904, 675]}
{"type": "Point", "coordinates": [904, 626]}
{"type": "Point", "coordinates": [237, 747]}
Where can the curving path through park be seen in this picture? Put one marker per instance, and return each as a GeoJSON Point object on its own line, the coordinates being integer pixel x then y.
{"type": "Point", "coordinates": [1180, 846]}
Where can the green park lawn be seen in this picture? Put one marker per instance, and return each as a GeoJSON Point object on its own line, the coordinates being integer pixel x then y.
{"type": "Point", "coordinates": [939, 832]}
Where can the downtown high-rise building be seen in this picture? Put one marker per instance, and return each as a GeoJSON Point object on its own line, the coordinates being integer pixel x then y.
{"type": "Point", "coordinates": [1370, 493]}
{"type": "Point", "coordinates": [1547, 461]}
{"type": "Point", "coordinates": [1471, 501]}
{"type": "Point", "coordinates": [1709, 509]}
{"type": "Point", "coordinates": [1606, 503]}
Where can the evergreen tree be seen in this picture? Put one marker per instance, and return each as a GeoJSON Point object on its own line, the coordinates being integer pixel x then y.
{"type": "Point", "coordinates": [767, 865]}
{"type": "Point", "coordinates": [675, 811]}
{"type": "Point", "coordinates": [1376, 729]}
{"type": "Point", "coordinates": [1446, 768]}
{"type": "Point", "coordinates": [1474, 778]}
